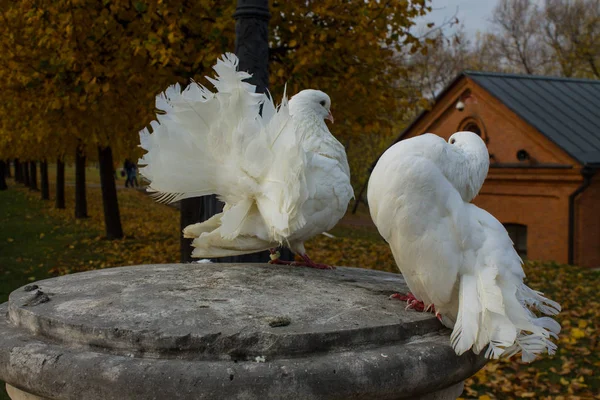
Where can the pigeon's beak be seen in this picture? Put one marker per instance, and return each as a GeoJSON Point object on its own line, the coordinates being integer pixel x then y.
{"type": "Point", "coordinates": [329, 117]}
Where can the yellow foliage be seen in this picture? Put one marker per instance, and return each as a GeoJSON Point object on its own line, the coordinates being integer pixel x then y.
{"type": "Point", "coordinates": [577, 333]}
{"type": "Point", "coordinates": [86, 72]}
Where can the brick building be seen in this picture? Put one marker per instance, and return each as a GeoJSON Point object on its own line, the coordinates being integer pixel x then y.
{"type": "Point", "coordinates": [543, 136]}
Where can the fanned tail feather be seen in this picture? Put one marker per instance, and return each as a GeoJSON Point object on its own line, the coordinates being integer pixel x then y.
{"type": "Point", "coordinates": [194, 146]}
{"type": "Point", "coordinates": [466, 327]}
{"type": "Point", "coordinates": [213, 245]}
{"type": "Point", "coordinates": [234, 143]}
{"type": "Point", "coordinates": [498, 316]}
{"type": "Point", "coordinates": [534, 332]}
{"type": "Point", "coordinates": [496, 329]}
{"type": "Point", "coordinates": [233, 219]}
{"type": "Point", "coordinates": [536, 299]}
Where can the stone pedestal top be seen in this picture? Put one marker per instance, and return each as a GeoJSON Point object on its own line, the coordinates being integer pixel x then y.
{"type": "Point", "coordinates": [252, 331]}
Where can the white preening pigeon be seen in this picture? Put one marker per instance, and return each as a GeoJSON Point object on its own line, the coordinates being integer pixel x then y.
{"type": "Point", "coordinates": [282, 175]}
{"type": "Point", "coordinates": [453, 254]}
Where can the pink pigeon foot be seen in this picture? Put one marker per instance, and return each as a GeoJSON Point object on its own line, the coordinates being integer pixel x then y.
{"type": "Point", "coordinates": [276, 260]}
{"type": "Point", "coordinates": [311, 264]}
{"type": "Point", "coordinates": [306, 263]}
{"type": "Point", "coordinates": [412, 303]}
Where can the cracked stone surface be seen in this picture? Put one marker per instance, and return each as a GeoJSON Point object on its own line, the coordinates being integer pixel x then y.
{"type": "Point", "coordinates": [224, 331]}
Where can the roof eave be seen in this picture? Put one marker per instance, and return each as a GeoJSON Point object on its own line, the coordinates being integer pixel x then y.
{"type": "Point", "coordinates": [422, 114]}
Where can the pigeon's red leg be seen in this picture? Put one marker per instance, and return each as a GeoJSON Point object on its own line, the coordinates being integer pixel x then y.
{"type": "Point", "coordinates": [276, 260]}
{"type": "Point", "coordinates": [412, 303]}
{"type": "Point", "coordinates": [310, 264]}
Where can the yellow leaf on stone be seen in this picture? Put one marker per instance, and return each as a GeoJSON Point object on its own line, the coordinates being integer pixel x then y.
{"type": "Point", "coordinates": [582, 323]}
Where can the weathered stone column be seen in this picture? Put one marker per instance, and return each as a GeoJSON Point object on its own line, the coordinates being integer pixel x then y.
{"type": "Point", "coordinates": [224, 331]}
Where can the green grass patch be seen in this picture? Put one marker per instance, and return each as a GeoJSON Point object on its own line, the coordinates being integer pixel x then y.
{"type": "Point", "coordinates": [32, 242]}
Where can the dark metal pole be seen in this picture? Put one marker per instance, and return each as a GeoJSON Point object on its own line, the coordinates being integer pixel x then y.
{"type": "Point", "coordinates": [252, 40]}
{"type": "Point", "coordinates": [190, 211]}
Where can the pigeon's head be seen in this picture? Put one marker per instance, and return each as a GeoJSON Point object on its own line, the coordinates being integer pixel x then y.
{"type": "Point", "coordinates": [312, 102]}
{"type": "Point", "coordinates": [473, 163]}
{"type": "Point", "coordinates": [469, 142]}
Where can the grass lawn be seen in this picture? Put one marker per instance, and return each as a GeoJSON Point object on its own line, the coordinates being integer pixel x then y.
{"type": "Point", "coordinates": [37, 241]}
{"type": "Point", "coordinates": [32, 242]}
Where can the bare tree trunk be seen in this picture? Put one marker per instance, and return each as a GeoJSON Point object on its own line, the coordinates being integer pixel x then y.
{"type": "Point", "coordinates": [25, 169]}
{"type": "Point", "coordinates": [593, 67]}
{"type": "Point", "coordinates": [8, 175]}
{"type": "Point", "coordinates": [80, 189]}
{"type": "Point", "coordinates": [44, 180]}
{"type": "Point", "coordinates": [18, 172]}
{"type": "Point", "coordinates": [3, 167]}
{"type": "Point", "coordinates": [60, 184]}
{"type": "Point", "coordinates": [112, 218]}
{"type": "Point", "coordinates": [33, 175]}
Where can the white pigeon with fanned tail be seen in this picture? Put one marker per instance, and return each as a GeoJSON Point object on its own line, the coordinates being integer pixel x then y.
{"type": "Point", "coordinates": [453, 254]}
{"type": "Point", "coordinates": [281, 174]}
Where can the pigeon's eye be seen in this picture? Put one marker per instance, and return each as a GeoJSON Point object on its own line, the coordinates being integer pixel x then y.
{"type": "Point", "coordinates": [322, 102]}
{"type": "Point", "coordinates": [452, 141]}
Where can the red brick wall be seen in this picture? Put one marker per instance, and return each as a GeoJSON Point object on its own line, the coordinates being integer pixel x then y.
{"type": "Point", "coordinates": [542, 207]}
{"type": "Point", "coordinates": [587, 226]}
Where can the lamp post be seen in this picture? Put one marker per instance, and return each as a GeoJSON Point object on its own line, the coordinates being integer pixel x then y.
{"type": "Point", "coordinates": [252, 40]}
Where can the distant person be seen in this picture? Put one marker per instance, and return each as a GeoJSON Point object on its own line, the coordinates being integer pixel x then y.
{"type": "Point", "coordinates": [131, 173]}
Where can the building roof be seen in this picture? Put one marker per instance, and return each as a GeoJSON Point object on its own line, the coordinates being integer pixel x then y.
{"type": "Point", "coordinates": [565, 110]}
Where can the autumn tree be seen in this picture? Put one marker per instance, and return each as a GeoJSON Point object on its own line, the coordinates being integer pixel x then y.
{"type": "Point", "coordinates": [429, 71]}
{"type": "Point", "coordinates": [518, 38]}
{"type": "Point", "coordinates": [3, 168]}
{"type": "Point", "coordinates": [572, 30]}
{"type": "Point", "coordinates": [84, 73]}
{"type": "Point", "coordinates": [558, 37]}
{"type": "Point", "coordinates": [98, 65]}
{"type": "Point", "coordinates": [347, 49]}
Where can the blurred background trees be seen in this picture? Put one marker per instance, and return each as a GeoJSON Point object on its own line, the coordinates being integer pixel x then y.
{"type": "Point", "coordinates": [554, 37]}
{"type": "Point", "coordinates": [79, 77]}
